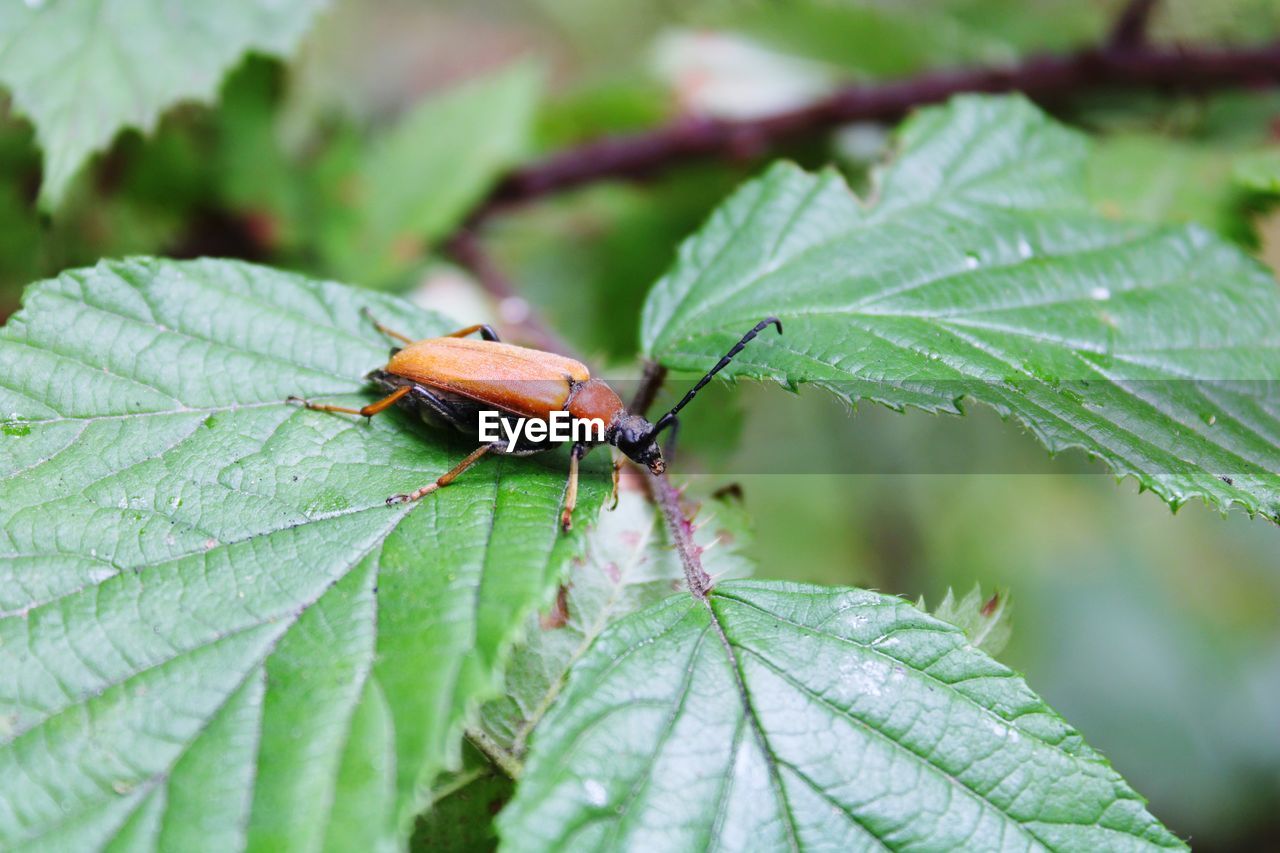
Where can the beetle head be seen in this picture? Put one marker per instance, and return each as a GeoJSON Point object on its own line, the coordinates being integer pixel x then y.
{"type": "Point", "coordinates": [638, 439]}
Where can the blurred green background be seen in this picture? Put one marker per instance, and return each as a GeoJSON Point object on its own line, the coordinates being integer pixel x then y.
{"type": "Point", "coordinates": [1157, 635]}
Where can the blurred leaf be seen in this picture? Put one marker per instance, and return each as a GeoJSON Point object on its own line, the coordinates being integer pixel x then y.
{"type": "Point", "coordinates": [1217, 21]}
{"type": "Point", "coordinates": [873, 38]}
{"type": "Point", "coordinates": [811, 718]}
{"type": "Point", "coordinates": [422, 177]}
{"type": "Point", "coordinates": [980, 272]}
{"type": "Point", "coordinates": [254, 173]}
{"type": "Point", "coordinates": [612, 106]}
{"type": "Point", "coordinates": [985, 620]}
{"type": "Point", "coordinates": [1141, 628]}
{"type": "Point", "coordinates": [1041, 25]}
{"type": "Point", "coordinates": [1245, 117]}
{"type": "Point", "coordinates": [586, 260]}
{"type": "Point", "coordinates": [1260, 172]}
{"type": "Point", "coordinates": [84, 71]}
{"type": "Point", "coordinates": [204, 592]}
{"type": "Point", "coordinates": [1153, 178]}
{"type": "Point", "coordinates": [461, 816]}
{"type": "Point", "coordinates": [114, 215]}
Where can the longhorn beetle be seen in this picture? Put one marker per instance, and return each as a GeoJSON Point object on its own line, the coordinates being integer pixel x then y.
{"type": "Point", "coordinates": [449, 380]}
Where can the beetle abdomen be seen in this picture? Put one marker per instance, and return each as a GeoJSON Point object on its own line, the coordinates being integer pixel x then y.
{"type": "Point", "coordinates": [445, 409]}
{"type": "Point", "coordinates": [525, 381]}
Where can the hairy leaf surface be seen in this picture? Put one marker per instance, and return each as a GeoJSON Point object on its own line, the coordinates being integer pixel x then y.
{"type": "Point", "coordinates": [978, 270]}
{"type": "Point", "coordinates": [85, 70]}
{"type": "Point", "coordinates": [214, 631]}
{"type": "Point", "coordinates": [776, 716]}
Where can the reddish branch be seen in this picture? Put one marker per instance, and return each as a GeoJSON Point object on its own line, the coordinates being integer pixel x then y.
{"type": "Point", "coordinates": [680, 528]}
{"type": "Point", "coordinates": [667, 496]}
{"type": "Point", "coordinates": [1125, 61]}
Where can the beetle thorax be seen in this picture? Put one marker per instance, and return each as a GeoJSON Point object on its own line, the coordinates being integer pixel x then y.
{"type": "Point", "coordinates": [595, 399]}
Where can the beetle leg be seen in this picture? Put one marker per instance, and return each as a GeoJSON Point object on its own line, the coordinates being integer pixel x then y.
{"type": "Point", "coordinates": [571, 493]}
{"type": "Point", "coordinates": [445, 478]}
{"type": "Point", "coordinates": [391, 333]}
{"type": "Point", "coordinates": [617, 476]}
{"type": "Point", "coordinates": [366, 411]}
{"type": "Point", "coordinates": [486, 331]}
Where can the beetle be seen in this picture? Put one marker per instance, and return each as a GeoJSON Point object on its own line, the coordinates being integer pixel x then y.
{"type": "Point", "coordinates": [449, 380]}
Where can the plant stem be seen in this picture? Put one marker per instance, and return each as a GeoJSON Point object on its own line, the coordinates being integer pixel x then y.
{"type": "Point", "coordinates": [456, 784]}
{"type": "Point", "coordinates": [494, 751]}
{"type": "Point", "coordinates": [667, 498]}
{"type": "Point", "coordinates": [650, 383]}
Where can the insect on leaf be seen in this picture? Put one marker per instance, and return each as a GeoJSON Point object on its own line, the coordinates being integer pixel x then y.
{"type": "Point", "coordinates": [979, 270]}
{"type": "Point", "coordinates": [213, 626]}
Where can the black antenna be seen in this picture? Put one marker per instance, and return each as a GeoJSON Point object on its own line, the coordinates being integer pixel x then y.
{"type": "Point", "coordinates": [667, 419]}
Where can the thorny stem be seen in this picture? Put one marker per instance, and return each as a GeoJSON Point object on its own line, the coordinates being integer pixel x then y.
{"type": "Point", "coordinates": [1123, 60]}
{"type": "Point", "coordinates": [667, 497]}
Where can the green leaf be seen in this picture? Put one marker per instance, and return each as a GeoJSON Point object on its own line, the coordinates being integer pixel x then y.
{"type": "Point", "coordinates": [979, 271]}
{"type": "Point", "coordinates": [872, 38]}
{"type": "Point", "coordinates": [1154, 178]}
{"type": "Point", "coordinates": [985, 620]}
{"type": "Point", "coordinates": [627, 566]}
{"type": "Point", "coordinates": [1260, 171]}
{"type": "Point", "coordinates": [423, 176]}
{"type": "Point", "coordinates": [84, 71]}
{"type": "Point", "coordinates": [781, 716]}
{"type": "Point", "coordinates": [215, 631]}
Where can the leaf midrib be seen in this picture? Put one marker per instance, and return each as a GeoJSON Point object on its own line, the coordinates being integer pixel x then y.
{"type": "Point", "coordinates": [749, 712]}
